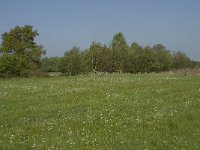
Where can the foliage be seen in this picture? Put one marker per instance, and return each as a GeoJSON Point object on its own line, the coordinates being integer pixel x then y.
{"type": "Point", "coordinates": [141, 60]}
{"type": "Point", "coordinates": [144, 111]}
{"type": "Point", "coordinates": [163, 58]}
{"type": "Point", "coordinates": [12, 65]}
{"type": "Point", "coordinates": [71, 64]}
{"type": "Point", "coordinates": [50, 64]}
{"type": "Point", "coordinates": [99, 58]}
{"type": "Point", "coordinates": [181, 61]}
{"type": "Point", "coordinates": [21, 42]}
{"type": "Point", "coordinates": [196, 64]}
{"type": "Point", "coordinates": [119, 57]}
{"type": "Point", "coordinates": [120, 52]}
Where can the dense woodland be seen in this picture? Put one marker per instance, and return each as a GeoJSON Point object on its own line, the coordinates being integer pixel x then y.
{"type": "Point", "coordinates": [20, 55]}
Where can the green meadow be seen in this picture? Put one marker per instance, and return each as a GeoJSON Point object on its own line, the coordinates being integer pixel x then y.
{"type": "Point", "coordinates": [114, 111]}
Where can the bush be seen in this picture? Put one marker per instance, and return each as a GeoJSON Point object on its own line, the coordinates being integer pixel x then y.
{"type": "Point", "coordinates": [50, 64]}
{"type": "Point", "coordinates": [13, 65]}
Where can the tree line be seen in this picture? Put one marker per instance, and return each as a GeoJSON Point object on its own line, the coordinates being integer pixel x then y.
{"type": "Point", "coordinates": [20, 54]}
{"type": "Point", "coordinates": [117, 57]}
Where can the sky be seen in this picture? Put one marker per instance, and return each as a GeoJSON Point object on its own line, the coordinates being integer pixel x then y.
{"type": "Point", "coordinates": [62, 24]}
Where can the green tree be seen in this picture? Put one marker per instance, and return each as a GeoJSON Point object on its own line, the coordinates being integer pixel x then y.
{"type": "Point", "coordinates": [196, 64]}
{"type": "Point", "coordinates": [12, 65]}
{"type": "Point", "coordinates": [50, 64]}
{"type": "Point", "coordinates": [180, 61]}
{"type": "Point", "coordinates": [21, 41]}
{"type": "Point", "coordinates": [163, 58]}
{"type": "Point", "coordinates": [120, 52]}
{"type": "Point", "coordinates": [134, 52]}
{"type": "Point", "coordinates": [99, 58]}
{"type": "Point", "coordinates": [72, 63]}
{"type": "Point", "coordinates": [63, 66]}
{"type": "Point", "coordinates": [135, 47]}
{"type": "Point", "coordinates": [145, 60]}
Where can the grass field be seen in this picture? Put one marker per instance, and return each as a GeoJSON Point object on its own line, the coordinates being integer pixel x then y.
{"type": "Point", "coordinates": [145, 111]}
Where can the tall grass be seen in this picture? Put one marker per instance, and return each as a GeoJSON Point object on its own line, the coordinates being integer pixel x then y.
{"type": "Point", "coordinates": [144, 111]}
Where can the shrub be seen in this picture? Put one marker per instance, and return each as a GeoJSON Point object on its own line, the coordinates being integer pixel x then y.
{"type": "Point", "coordinates": [13, 65]}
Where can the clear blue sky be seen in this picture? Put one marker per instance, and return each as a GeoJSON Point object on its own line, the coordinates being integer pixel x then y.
{"type": "Point", "coordinates": [63, 24]}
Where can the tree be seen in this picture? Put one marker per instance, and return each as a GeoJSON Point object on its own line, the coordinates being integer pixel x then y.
{"type": "Point", "coordinates": [12, 65]}
{"type": "Point", "coordinates": [163, 58]}
{"type": "Point", "coordinates": [134, 51]}
{"type": "Point", "coordinates": [196, 64]}
{"type": "Point", "coordinates": [120, 52]}
{"type": "Point", "coordinates": [50, 64]}
{"type": "Point", "coordinates": [180, 61]}
{"type": "Point", "coordinates": [21, 42]}
{"type": "Point", "coordinates": [144, 60]}
{"type": "Point", "coordinates": [134, 47]}
{"type": "Point", "coordinates": [99, 57]}
{"type": "Point", "coordinates": [71, 63]}
{"type": "Point", "coordinates": [63, 66]}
